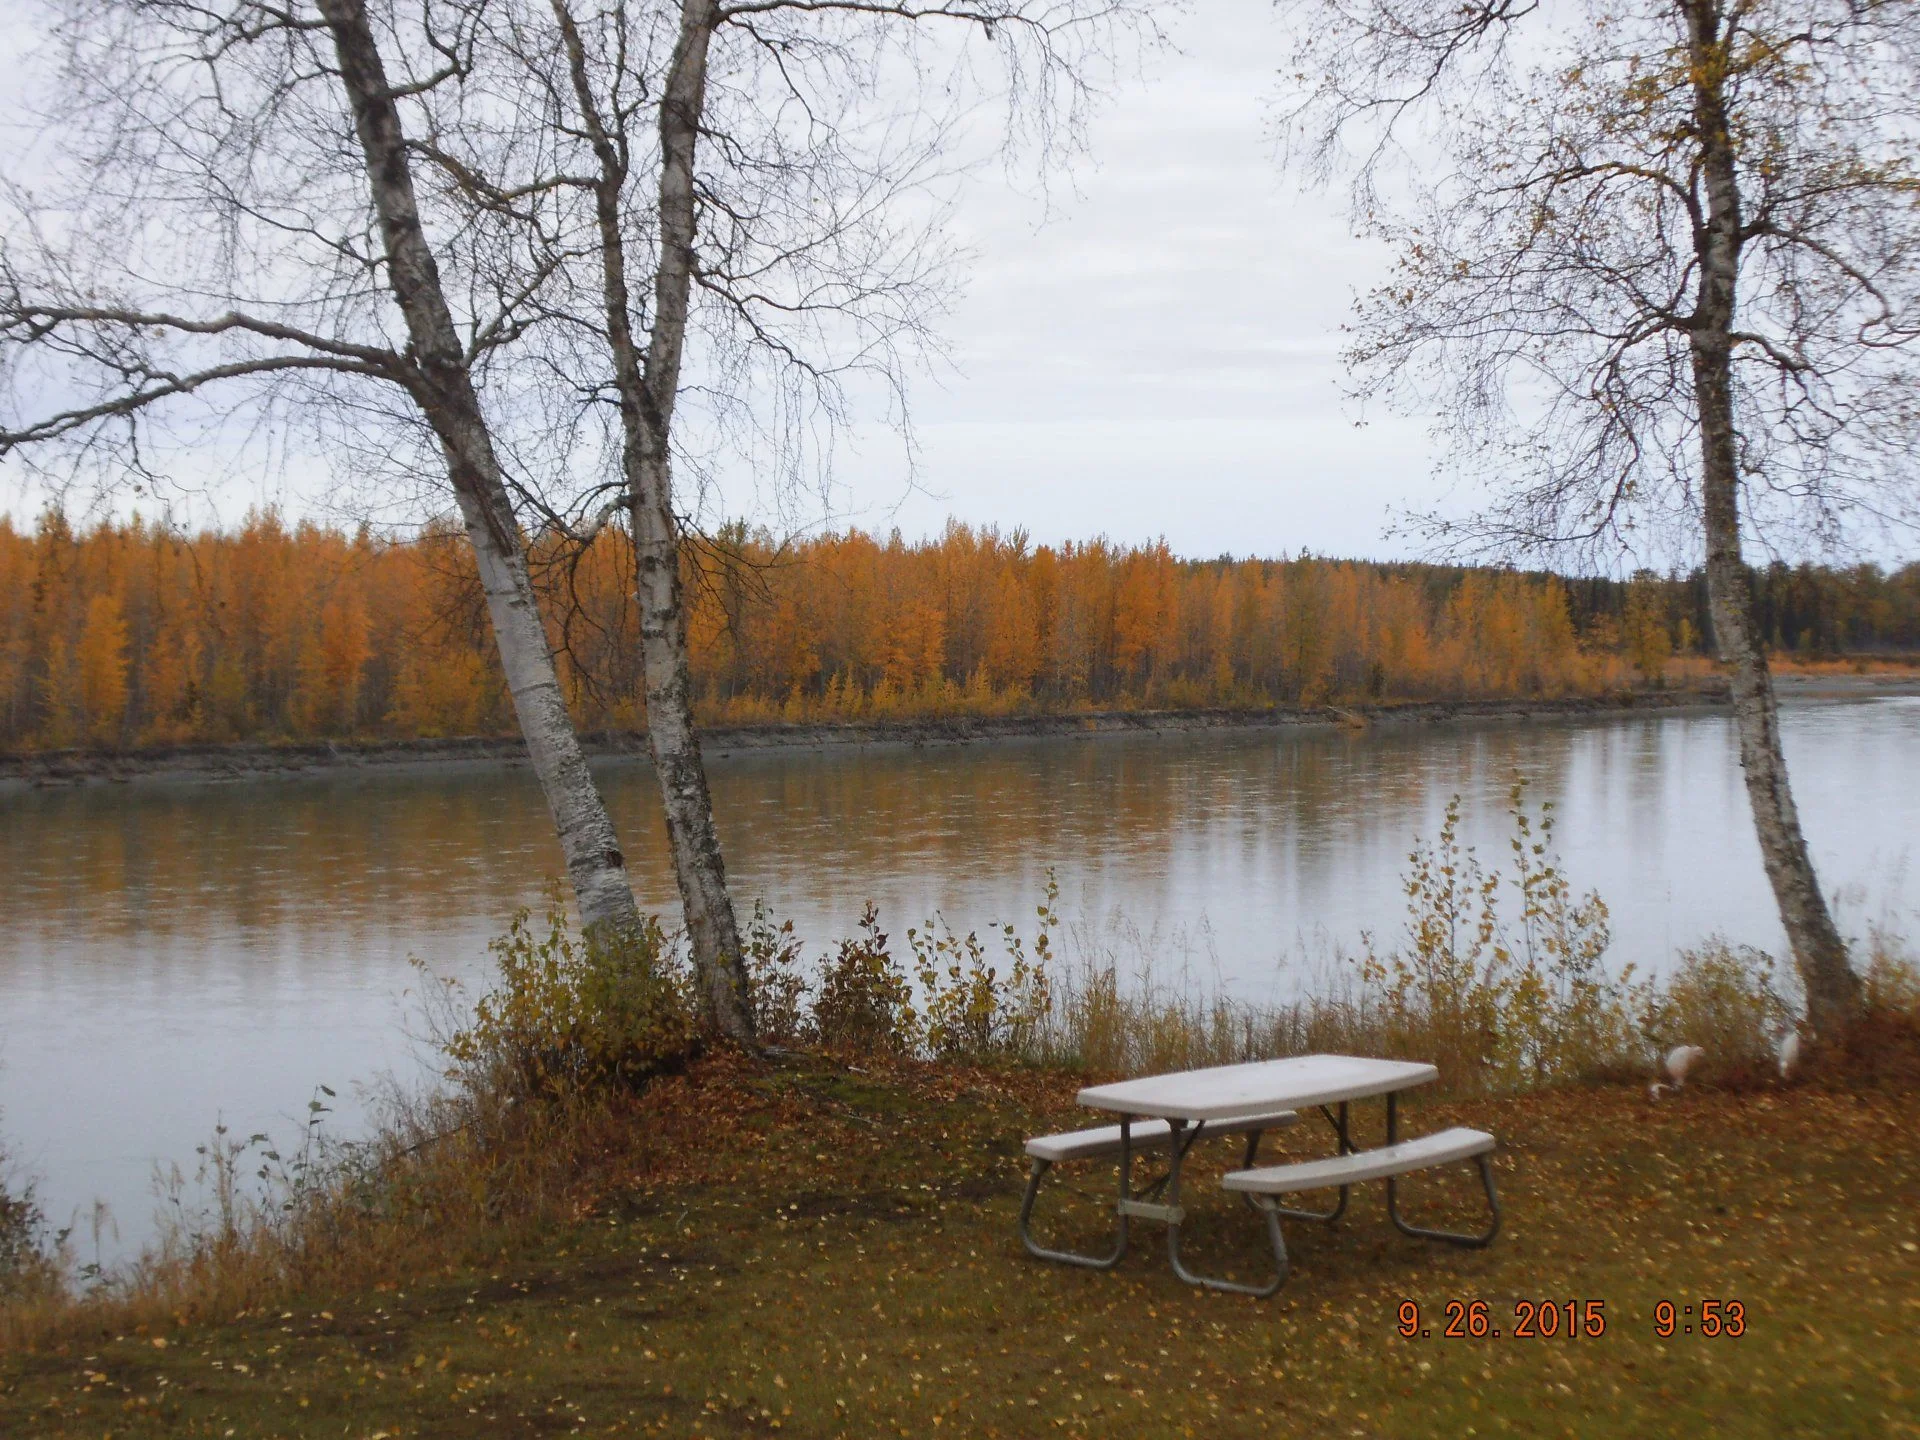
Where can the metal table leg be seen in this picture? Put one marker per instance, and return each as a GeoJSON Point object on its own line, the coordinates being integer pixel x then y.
{"type": "Point", "coordinates": [1452, 1237]}
{"type": "Point", "coordinates": [1175, 1215]}
{"type": "Point", "coordinates": [1168, 1212]}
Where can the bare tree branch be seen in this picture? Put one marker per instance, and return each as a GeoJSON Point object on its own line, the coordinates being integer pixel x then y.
{"type": "Point", "coordinates": [1661, 288]}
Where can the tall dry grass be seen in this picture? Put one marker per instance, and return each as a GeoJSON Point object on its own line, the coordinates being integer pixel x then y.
{"type": "Point", "coordinates": [29, 1252]}
{"type": "Point", "coordinates": [1724, 998]}
{"type": "Point", "coordinates": [442, 1180]}
{"type": "Point", "coordinates": [536, 1114]}
{"type": "Point", "coordinates": [1498, 975]}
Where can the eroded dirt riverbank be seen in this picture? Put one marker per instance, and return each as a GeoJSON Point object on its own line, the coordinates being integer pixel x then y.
{"type": "Point", "coordinates": [216, 763]}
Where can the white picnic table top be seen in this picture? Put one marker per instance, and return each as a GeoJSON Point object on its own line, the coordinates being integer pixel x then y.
{"type": "Point", "coordinates": [1224, 1091]}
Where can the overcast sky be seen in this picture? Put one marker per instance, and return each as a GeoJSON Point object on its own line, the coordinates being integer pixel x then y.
{"type": "Point", "coordinates": [1153, 354]}
{"type": "Point", "coordinates": [1160, 357]}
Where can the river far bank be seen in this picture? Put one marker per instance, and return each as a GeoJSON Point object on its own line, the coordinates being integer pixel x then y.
{"type": "Point", "coordinates": [260, 760]}
{"type": "Point", "coordinates": [252, 760]}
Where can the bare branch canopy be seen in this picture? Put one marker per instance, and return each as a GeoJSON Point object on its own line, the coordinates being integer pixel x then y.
{"type": "Point", "coordinates": [1656, 264]}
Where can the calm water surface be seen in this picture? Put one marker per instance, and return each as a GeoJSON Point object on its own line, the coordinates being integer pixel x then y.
{"type": "Point", "coordinates": [177, 954]}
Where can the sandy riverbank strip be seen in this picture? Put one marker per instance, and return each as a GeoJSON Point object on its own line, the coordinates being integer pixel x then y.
{"type": "Point", "coordinates": [218, 763]}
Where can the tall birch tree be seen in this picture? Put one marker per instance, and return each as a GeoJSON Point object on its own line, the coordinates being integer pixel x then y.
{"type": "Point", "coordinates": [1657, 262]}
{"type": "Point", "coordinates": [579, 216]}
{"type": "Point", "coordinates": [224, 210]}
{"type": "Point", "coordinates": [764, 182]}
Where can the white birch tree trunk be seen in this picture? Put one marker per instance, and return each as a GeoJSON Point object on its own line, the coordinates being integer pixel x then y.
{"type": "Point", "coordinates": [445, 392]}
{"type": "Point", "coordinates": [648, 385]}
{"type": "Point", "coordinates": [1833, 990]}
{"type": "Point", "coordinates": [711, 927]}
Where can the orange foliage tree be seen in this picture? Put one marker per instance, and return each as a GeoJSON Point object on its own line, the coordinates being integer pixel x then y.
{"type": "Point", "coordinates": [135, 634]}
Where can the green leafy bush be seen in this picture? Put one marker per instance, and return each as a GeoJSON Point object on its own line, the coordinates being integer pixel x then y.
{"type": "Point", "coordinates": [575, 1012]}
{"type": "Point", "coordinates": [28, 1252]}
{"type": "Point", "coordinates": [1504, 999]}
{"type": "Point", "coordinates": [971, 1010]}
{"type": "Point", "coordinates": [1725, 999]}
{"type": "Point", "coordinates": [865, 1002]}
{"type": "Point", "coordinates": [1890, 981]}
{"type": "Point", "coordinates": [21, 1223]}
{"type": "Point", "coordinates": [778, 987]}
{"type": "Point", "coordinates": [1566, 1016]}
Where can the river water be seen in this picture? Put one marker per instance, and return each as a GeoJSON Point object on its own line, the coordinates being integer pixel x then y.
{"type": "Point", "coordinates": [179, 954]}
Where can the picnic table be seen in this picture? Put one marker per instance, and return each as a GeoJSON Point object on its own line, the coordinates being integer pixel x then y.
{"type": "Point", "coordinates": [1173, 1112]}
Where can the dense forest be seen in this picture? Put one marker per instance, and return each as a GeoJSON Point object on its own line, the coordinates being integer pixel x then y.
{"type": "Point", "coordinates": [132, 634]}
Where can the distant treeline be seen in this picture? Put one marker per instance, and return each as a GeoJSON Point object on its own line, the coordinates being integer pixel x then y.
{"type": "Point", "coordinates": [128, 634]}
{"type": "Point", "coordinates": [1808, 610]}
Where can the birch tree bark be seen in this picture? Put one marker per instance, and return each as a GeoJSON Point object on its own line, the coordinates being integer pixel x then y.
{"type": "Point", "coordinates": [443, 387]}
{"type": "Point", "coordinates": [648, 465]}
{"type": "Point", "coordinates": [648, 385]}
{"type": "Point", "coordinates": [1658, 272]}
{"type": "Point", "coordinates": [1833, 990]}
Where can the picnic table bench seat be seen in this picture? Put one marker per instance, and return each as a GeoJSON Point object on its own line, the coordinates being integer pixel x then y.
{"type": "Point", "coordinates": [1104, 1140]}
{"type": "Point", "coordinates": [1352, 1167]}
{"type": "Point", "coordinates": [1441, 1148]}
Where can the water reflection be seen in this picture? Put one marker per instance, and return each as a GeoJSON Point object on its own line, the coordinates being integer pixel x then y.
{"type": "Point", "coordinates": [177, 953]}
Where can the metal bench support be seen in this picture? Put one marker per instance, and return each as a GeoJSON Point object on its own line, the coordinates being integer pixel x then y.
{"type": "Point", "coordinates": [1453, 1237]}
{"type": "Point", "coordinates": [1339, 1123]}
{"type": "Point", "coordinates": [1131, 1201]}
{"type": "Point", "coordinates": [1275, 1212]}
{"type": "Point", "coordinates": [1211, 1282]}
{"type": "Point", "coordinates": [1065, 1257]}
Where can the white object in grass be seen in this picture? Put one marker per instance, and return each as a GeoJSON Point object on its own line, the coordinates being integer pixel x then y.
{"type": "Point", "coordinates": [1678, 1064]}
{"type": "Point", "coordinates": [1786, 1050]}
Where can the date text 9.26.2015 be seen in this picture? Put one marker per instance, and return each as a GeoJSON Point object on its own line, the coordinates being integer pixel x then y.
{"type": "Point", "coordinates": [1565, 1320]}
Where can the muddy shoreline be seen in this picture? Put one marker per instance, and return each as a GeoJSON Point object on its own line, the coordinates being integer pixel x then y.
{"type": "Point", "coordinates": [220, 763]}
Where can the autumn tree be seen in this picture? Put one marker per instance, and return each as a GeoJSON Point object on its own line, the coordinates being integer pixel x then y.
{"type": "Point", "coordinates": [226, 224]}
{"type": "Point", "coordinates": [100, 669]}
{"type": "Point", "coordinates": [270, 631]}
{"type": "Point", "coordinates": [1656, 264]}
{"type": "Point", "coordinates": [1649, 641]}
{"type": "Point", "coordinates": [756, 223]}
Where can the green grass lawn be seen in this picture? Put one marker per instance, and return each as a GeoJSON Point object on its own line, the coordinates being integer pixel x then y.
{"type": "Point", "coordinates": [836, 1256]}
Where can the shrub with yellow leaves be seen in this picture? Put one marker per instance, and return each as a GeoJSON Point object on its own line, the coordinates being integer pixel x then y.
{"type": "Point", "coordinates": [573, 1012]}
